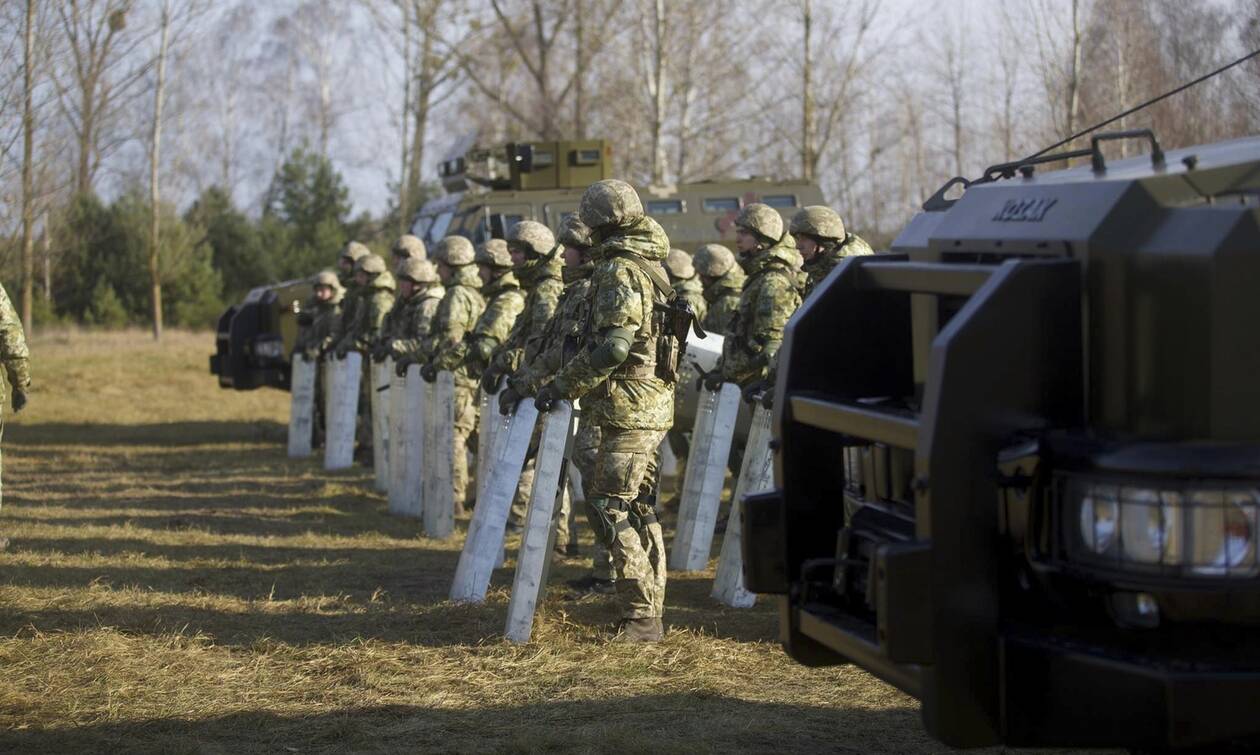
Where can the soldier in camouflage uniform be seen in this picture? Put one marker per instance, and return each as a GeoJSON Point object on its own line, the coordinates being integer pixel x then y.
{"type": "Point", "coordinates": [324, 307]}
{"type": "Point", "coordinates": [361, 332]}
{"type": "Point", "coordinates": [504, 303]}
{"type": "Point", "coordinates": [542, 359]}
{"type": "Point", "coordinates": [419, 292]}
{"type": "Point", "coordinates": [769, 298]}
{"type": "Point", "coordinates": [447, 346]}
{"type": "Point", "coordinates": [723, 281]}
{"type": "Point", "coordinates": [686, 283]}
{"type": "Point", "coordinates": [16, 360]}
{"type": "Point", "coordinates": [823, 242]}
{"type": "Point", "coordinates": [350, 255]}
{"type": "Point", "coordinates": [407, 247]}
{"type": "Point", "coordinates": [624, 371]}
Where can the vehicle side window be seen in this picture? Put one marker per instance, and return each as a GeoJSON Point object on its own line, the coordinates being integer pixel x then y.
{"type": "Point", "coordinates": [438, 230]}
{"type": "Point", "coordinates": [421, 229]}
{"type": "Point", "coordinates": [721, 204]}
{"type": "Point", "coordinates": [780, 201]}
{"type": "Point", "coordinates": [665, 207]}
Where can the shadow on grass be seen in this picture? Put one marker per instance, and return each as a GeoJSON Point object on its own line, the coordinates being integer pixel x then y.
{"type": "Point", "coordinates": [155, 434]}
{"type": "Point", "coordinates": [675, 723]}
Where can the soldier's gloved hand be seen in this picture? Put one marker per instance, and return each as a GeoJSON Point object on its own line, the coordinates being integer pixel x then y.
{"type": "Point", "coordinates": [547, 397]}
{"type": "Point", "coordinates": [429, 373]}
{"type": "Point", "coordinates": [702, 376]}
{"type": "Point", "coordinates": [18, 399]}
{"type": "Point", "coordinates": [401, 364]}
{"type": "Point", "coordinates": [380, 352]}
{"type": "Point", "coordinates": [713, 381]}
{"type": "Point", "coordinates": [311, 353]}
{"type": "Point", "coordinates": [754, 390]}
{"type": "Point", "coordinates": [341, 351]}
{"type": "Point", "coordinates": [508, 400]}
{"type": "Point", "coordinates": [767, 398]}
{"type": "Point", "coordinates": [491, 379]}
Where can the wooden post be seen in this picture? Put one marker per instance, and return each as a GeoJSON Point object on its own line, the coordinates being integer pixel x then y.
{"type": "Point", "coordinates": [755, 475]}
{"type": "Point", "coordinates": [301, 406]}
{"type": "Point", "coordinates": [706, 472]}
{"type": "Point", "coordinates": [342, 410]}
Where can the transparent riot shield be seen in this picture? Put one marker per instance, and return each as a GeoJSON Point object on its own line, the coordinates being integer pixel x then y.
{"type": "Point", "coordinates": [484, 545]}
{"type": "Point", "coordinates": [706, 472]}
{"type": "Point", "coordinates": [342, 410]}
{"type": "Point", "coordinates": [438, 494]}
{"type": "Point", "coordinates": [755, 476]}
{"type": "Point", "coordinates": [301, 406]}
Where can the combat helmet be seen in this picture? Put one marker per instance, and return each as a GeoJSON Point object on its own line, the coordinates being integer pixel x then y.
{"type": "Point", "coordinates": [535, 238]}
{"type": "Point", "coordinates": [327, 279]}
{"type": "Point", "coordinates": [417, 271]}
{"type": "Point", "coordinates": [818, 221]}
{"type": "Point", "coordinates": [494, 253]}
{"type": "Point", "coordinates": [609, 202]}
{"type": "Point", "coordinates": [354, 251]}
{"type": "Point", "coordinates": [408, 247]}
{"type": "Point", "coordinates": [679, 265]}
{"type": "Point", "coordinates": [573, 232]}
{"type": "Point", "coordinates": [455, 251]}
{"type": "Point", "coordinates": [762, 221]}
{"type": "Point", "coordinates": [713, 260]}
{"type": "Point", "coordinates": [372, 264]}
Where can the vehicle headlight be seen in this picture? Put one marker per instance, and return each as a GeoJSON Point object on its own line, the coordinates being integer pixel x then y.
{"type": "Point", "coordinates": [1196, 529]}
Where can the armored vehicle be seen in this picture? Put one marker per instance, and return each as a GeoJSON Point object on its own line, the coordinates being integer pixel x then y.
{"type": "Point", "coordinates": [1018, 458]}
{"type": "Point", "coordinates": [488, 191]}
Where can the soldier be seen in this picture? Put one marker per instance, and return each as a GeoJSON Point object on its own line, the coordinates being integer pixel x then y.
{"type": "Point", "coordinates": [625, 371]}
{"type": "Point", "coordinates": [324, 307]}
{"type": "Point", "coordinates": [687, 285]}
{"type": "Point", "coordinates": [723, 280]}
{"type": "Point", "coordinates": [769, 298]}
{"type": "Point", "coordinates": [456, 315]}
{"type": "Point", "coordinates": [504, 302]}
{"type": "Point", "coordinates": [350, 255]}
{"type": "Point", "coordinates": [16, 360]}
{"type": "Point", "coordinates": [820, 236]}
{"type": "Point", "coordinates": [542, 358]}
{"type": "Point", "coordinates": [407, 247]}
{"type": "Point", "coordinates": [375, 299]}
{"type": "Point", "coordinates": [419, 292]}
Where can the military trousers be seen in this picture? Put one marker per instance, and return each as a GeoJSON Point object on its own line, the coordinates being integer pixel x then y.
{"type": "Point", "coordinates": [465, 423]}
{"type": "Point", "coordinates": [585, 449]}
{"type": "Point", "coordinates": [623, 496]}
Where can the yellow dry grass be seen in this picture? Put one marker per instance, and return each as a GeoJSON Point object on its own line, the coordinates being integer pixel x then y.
{"type": "Point", "coordinates": [175, 584]}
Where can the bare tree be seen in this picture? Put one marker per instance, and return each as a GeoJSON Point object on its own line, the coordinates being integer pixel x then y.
{"type": "Point", "coordinates": [28, 163]}
{"type": "Point", "coordinates": [155, 152]}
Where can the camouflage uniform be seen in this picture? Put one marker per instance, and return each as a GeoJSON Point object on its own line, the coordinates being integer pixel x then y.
{"type": "Point", "coordinates": [504, 303]}
{"type": "Point", "coordinates": [626, 393]}
{"type": "Point", "coordinates": [824, 227]}
{"type": "Point", "coordinates": [375, 300]}
{"type": "Point", "coordinates": [723, 280]}
{"type": "Point", "coordinates": [316, 337]}
{"type": "Point", "coordinates": [769, 298]}
{"type": "Point", "coordinates": [456, 316]}
{"type": "Point", "coordinates": [412, 317]}
{"type": "Point", "coordinates": [688, 288]}
{"type": "Point", "coordinates": [352, 252]}
{"type": "Point", "coordinates": [14, 355]}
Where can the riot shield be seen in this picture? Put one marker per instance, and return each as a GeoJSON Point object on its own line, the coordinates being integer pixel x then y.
{"type": "Point", "coordinates": [706, 471]}
{"type": "Point", "coordinates": [379, 396]}
{"type": "Point", "coordinates": [488, 422]}
{"type": "Point", "coordinates": [755, 476]}
{"type": "Point", "coordinates": [342, 410]}
{"type": "Point", "coordinates": [484, 544]}
{"type": "Point", "coordinates": [302, 406]}
{"type": "Point", "coordinates": [398, 447]}
{"type": "Point", "coordinates": [438, 494]}
{"type": "Point", "coordinates": [536, 542]}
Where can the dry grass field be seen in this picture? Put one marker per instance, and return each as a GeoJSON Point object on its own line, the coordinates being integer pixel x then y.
{"type": "Point", "coordinates": [173, 583]}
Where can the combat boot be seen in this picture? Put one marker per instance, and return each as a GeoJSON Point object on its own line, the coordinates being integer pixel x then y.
{"type": "Point", "coordinates": [640, 630]}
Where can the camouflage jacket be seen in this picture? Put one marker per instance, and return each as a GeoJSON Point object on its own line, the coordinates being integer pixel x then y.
{"type": "Point", "coordinates": [560, 338]}
{"type": "Point", "coordinates": [722, 297]}
{"type": "Point", "coordinates": [504, 303]}
{"type": "Point", "coordinates": [318, 336]}
{"type": "Point", "coordinates": [543, 286]}
{"type": "Point", "coordinates": [456, 315]}
{"type": "Point", "coordinates": [769, 298]}
{"type": "Point", "coordinates": [13, 352]}
{"type": "Point", "coordinates": [631, 395]}
{"type": "Point", "coordinates": [345, 315]}
{"type": "Point", "coordinates": [363, 331]}
{"type": "Point", "coordinates": [412, 321]}
{"type": "Point", "coordinates": [691, 290]}
{"type": "Point", "coordinates": [826, 259]}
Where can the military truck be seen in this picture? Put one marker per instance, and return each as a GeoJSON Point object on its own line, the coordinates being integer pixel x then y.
{"type": "Point", "coordinates": [1017, 458]}
{"type": "Point", "coordinates": [486, 192]}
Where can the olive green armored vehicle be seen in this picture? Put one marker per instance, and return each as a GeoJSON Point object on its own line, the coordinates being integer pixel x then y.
{"type": "Point", "coordinates": [486, 192]}
{"type": "Point", "coordinates": [1017, 459]}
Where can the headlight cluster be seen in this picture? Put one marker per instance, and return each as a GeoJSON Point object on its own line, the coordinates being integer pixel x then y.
{"type": "Point", "coordinates": [269, 348]}
{"type": "Point", "coordinates": [1199, 529]}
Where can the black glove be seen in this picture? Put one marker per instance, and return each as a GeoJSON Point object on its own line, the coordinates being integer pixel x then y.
{"type": "Point", "coordinates": [341, 351]}
{"type": "Point", "coordinates": [508, 400]}
{"type": "Point", "coordinates": [767, 398]}
{"type": "Point", "coordinates": [700, 378]}
{"type": "Point", "coordinates": [491, 379]}
{"type": "Point", "coordinates": [380, 353]}
{"type": "Point", "coordinates": [429, 373]}
{"type": "Point", "coordinates": [19, 400]}
{"type": "Point", "coordinates": [401, 364]}
{"type": "Point", "coordinates": [547, 397]}
{"type": "Point", "coordinates": [713, 381]}
{"type": "Point", "coordinates": [754, 390]}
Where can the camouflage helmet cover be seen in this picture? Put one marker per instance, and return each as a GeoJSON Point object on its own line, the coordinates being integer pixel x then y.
{"type": "Point", "coordinates": [574, 233]}
{"type": "Point", "coordinates": [354, 251]}
{"type": "Point", "coordinates": [494, 253]}
{"type": "Point", "coordinates": [327, 279]}
{"type": "Point", "coordinates": [534, 236]}
{"type": "Point", "coordinates": [372, 264]}
{"type": "Point", "coordinates": [819, 221]}
{"type": "Point", "coordinates": [417, 271]}
{"type": "Point", "coordinates": [409, 247]}
{"type": "Point", "coordinates": [609, 202]}
{"type": "Point", "coordinates": [678, 263]}
{"type": "Point", "coordinates": [714, 260]}
{"type": "Point", "coordinates": [455, 251]}
{"type": "Point", "coordinates": [761, 219]}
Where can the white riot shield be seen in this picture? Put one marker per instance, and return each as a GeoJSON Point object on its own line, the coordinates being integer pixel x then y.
{"type": "Point", "coordinates": [438, 496]}
{"type": "Point", "coordinates": [411, 455]}
{"type": "Point", "coordinates": [484, 544]}
{"type": "Point", "coordinates": [301, 406]}
{"type": "Point", "coordinates": [342, 410]}
{"type": "Point", "coordinates": [397, 453]}
{"type": "Point", "coordinates": [706, 471]}
{"type": "Point", "coordinates": [755, 476]}
{"type": "Point", "coordinates": [536, 542]}
{"type": "Point", "coordinates": [487, 423]}
{"type": "Point", "coordinates": [379, 391]}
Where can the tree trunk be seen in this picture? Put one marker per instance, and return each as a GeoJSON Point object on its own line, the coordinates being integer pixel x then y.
{"type": "Point", "coordinates": [404, 179]}
{"type": "Point", "coordinates": [1074, 78]}
{"type": "Point", "coordinates": [155, 153]}
{"type": "Point", "coordinates": [658, 92]}
{"type": "Point", "coordinates": [579, 31]}
{"type": "Point", "coordinates": [28, 161]}
{"type": "Point", "coordinates": [807, 94]}
{"type": "Point", "coordinates": [47, 261]}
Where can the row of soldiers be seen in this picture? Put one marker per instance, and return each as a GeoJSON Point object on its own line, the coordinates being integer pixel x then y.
{"type": "Point", "coordinates": [588, 312]}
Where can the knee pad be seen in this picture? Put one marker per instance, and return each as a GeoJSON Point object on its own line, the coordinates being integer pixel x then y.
{"type": "Point", "coordinates": [642, 514]}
